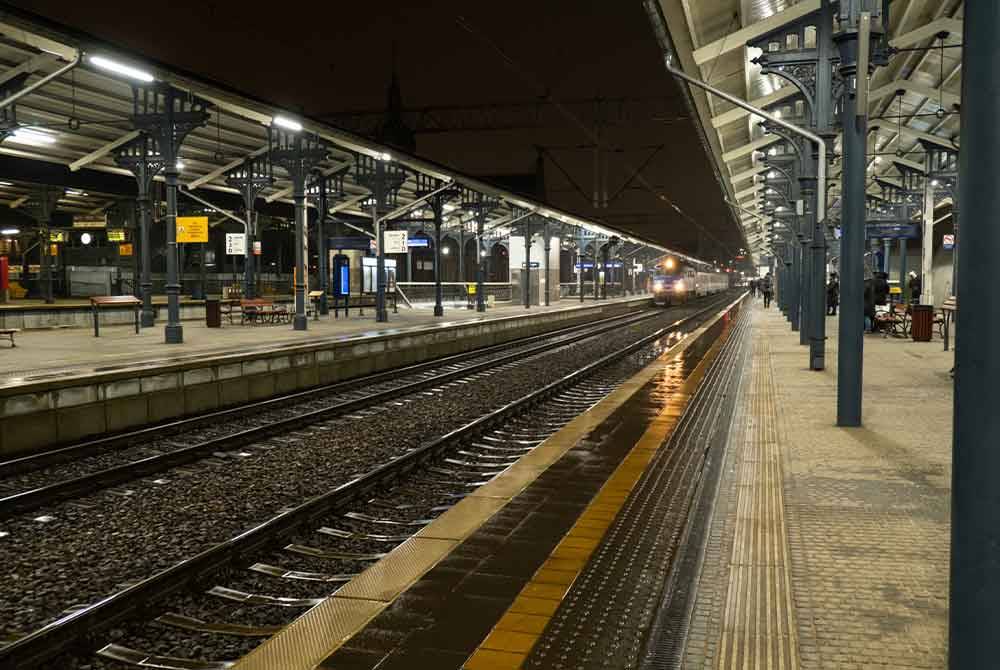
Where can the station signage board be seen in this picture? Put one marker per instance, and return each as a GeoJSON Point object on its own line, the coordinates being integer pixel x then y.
{"type": "Point", "coordinates": [534, 265]}
{"type": "Point", "coordinates": [418, 242]}
{"type": "Point", "coordinates": [949, 241]}
{"type": "Point", "coordinates": [892, 231]}
{"type": "Point", "coordinates": [361, 243]}
{"type": "Point", "coordinates": [395, 241]}
{"type": "Point", "coordinates": [57, 236]}
{"type": "Point", "coordinates": [125, 249]}
{"type": "Point", "coordinates": [90, 221]}
{"type": "Point", "coordinates": [236, 244]}
{"type": "Point", "coordinates": [258, 249]}
{"type": "Point", "coordinates": [116, 235]}
{"type": "Point", "coordinates": [192, 229]}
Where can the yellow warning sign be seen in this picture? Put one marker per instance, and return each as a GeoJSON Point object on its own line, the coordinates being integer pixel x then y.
{"type": "Point", "coordinates": [57, 236]}
{"type": "Point", "coordinates": [472, 289]}
{"type": "Point", "coordinates": [124, 249]}
{"type": "Point", "coordinates": [116, 235]}
{"type": "Point", "coordinates": [192, 229]}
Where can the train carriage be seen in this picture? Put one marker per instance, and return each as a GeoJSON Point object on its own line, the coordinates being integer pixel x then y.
{"type": "Point", "coordinates": [675, 282]}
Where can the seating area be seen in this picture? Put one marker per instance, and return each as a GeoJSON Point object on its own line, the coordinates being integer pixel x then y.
{"type": "Point", "coordinates": [255, 311]}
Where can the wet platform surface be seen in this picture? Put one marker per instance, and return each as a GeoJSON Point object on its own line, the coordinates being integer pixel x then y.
{"type": "Point", "coordinates": [487, 599]}
{"type": "Point", "coordinates": [806, 546]}
{"type": "Point", "coordinates": [43, 355]}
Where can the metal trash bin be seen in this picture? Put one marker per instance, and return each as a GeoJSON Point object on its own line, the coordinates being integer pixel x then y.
{"type": "Point", "coordinates": [922, 322]}
{"type": "Point", "coordinates": [213, 313]}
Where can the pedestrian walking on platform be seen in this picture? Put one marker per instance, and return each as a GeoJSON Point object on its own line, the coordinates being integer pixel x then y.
{"type": "Point", "coordinates": [832, 295]}
{"type": "Point", "coordinates": [915, 288]}
{"type": "Point", "coordinates": [766, 289]}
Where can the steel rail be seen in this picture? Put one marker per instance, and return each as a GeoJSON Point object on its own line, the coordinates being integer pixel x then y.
{"type": "Point", "coordinates": [64, 634]}
{"type": "Point", "coordinates": [70, 452]}
{"type": "Point", "coordinates": [30, 499]}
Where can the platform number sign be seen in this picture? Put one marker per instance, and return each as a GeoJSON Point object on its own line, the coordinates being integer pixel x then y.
{"type": "Point", "coordinates": [395, 241]}
{"type": "Point", "coordinates": [236, 244]}
{"type": "Point", "coordinates": [949, 241]}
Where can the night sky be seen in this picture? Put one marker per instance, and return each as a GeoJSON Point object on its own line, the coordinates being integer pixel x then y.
{"type": "Point", "coordinates": [338, 57]}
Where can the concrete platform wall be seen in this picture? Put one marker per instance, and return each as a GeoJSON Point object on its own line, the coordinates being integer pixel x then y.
{"type": "Point", "coordinates": [41, 415]}
{"type": "Point", "coordinates": [34, 317]}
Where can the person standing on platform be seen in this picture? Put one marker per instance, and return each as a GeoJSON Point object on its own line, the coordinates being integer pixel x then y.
{"type": "Point", "coordinates": [766, 289]}
{"type": "Point", "coordinates": [915, 288]}
{"type": "Point", "coordinates": [869, 306]}
{"type": "Point", "coordinates": [832, 295]}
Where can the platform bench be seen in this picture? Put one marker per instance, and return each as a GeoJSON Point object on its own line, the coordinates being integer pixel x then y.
{"type": "Point", "coordinates": [96, 302]}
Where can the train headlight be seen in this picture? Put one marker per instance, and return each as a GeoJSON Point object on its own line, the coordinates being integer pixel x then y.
{"type": "Point", "coordinates": [679, 286]}
{"type": "Point", "coordinates": [657, 286]}
{"type": "Point", "coordinates": [669, 264]}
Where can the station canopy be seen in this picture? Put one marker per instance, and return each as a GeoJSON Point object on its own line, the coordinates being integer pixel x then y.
{"type": "Point", "coordinates": [69, 126]}
{"type": "Point", "coordinates": [913, 101]}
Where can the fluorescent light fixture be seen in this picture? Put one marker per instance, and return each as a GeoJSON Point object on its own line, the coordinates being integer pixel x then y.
{"type": "Point", "coordinates": [9, 231]}
{"type": "Point", "coordinates": [74, 191]}
{"type": "Point", "coordinates": [179, 164]}
{"type": "Point", "coordinates": [384, 156]}
{"type": "Point", "coordinates": [934, 182]}
{"type": "Point", "coordinates": [32, 136]}
{"type": "Point", "coordinates": [445, 251]}
{"type": "Point", "coordinates": [287, 123]}
{"type": "Point", "coordinates": [121, 68]}
{"type": "Point", "coordinates": [85, 238]}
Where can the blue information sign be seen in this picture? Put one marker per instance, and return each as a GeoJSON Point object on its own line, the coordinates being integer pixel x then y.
{"type": "Point", "coordinates": [418, 242]}
{"type": "Point", "coordinates": [892, 231]}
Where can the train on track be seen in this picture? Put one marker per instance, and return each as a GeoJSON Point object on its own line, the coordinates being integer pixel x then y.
{"type": "Point", "coordinates": [674, 282]}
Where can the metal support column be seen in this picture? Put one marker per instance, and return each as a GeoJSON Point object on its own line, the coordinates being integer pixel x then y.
{"type": "Point", "coordinates": [173, 332]}
{"type": "Point", "coordinates": [806, 313]}
{"type": "Point", "coordinates": [526, 277]}
{"type": "Point", "coordinates": [437, 206]}
{"type": "Point", "coordinates": [548, 252]}
{"type": "Point", "coordinates": [902, 270]}
{"type": "Point", "coordinates": [974, 617]}
{"type": "Point", "coordinates": [854, 123]}
{"type": "Point", "coordinates": [480, 298]}
{"type": "Point", "coordinates": [321, 253]}
{"type": "Point", "coordinates": [299, 321]}
{"type": "Point", "coordinates": [927, 247]}
{"type": "Point", "coordinates": [148, 316]}
{"type": "Point", "coordinates": [381, 313]}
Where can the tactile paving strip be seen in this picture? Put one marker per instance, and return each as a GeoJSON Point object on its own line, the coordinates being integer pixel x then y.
{"type": "Point", "coordinates": [604, 619]}
{"type": "Point", "coordinates": [758, 625]}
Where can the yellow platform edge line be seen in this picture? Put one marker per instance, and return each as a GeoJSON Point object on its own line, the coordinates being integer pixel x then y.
{"type": "Point", "coordinates": [313, 637]}
{"type": "Point", "coordinates": [502, 651]}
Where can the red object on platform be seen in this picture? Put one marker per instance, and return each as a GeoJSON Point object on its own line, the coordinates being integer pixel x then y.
{"type": "Point", "coordinates": [4, 273]}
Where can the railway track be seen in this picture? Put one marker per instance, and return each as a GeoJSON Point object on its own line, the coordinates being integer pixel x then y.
{"type": "Point", "coordinates": [337, 533]}
{"type": "Point", "coordinates": [35, 481]}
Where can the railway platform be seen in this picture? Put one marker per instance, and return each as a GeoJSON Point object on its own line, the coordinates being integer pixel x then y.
{"type": "Point", "coordinates": [706, 514]}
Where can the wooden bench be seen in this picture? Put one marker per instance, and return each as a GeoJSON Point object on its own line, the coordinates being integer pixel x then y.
{"type": "Point", "coordinates": [96, 302]}
{"type": "Point", "coordinates": [9, 334]}
{"type": "Point", "coordinates": [948, 310]}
